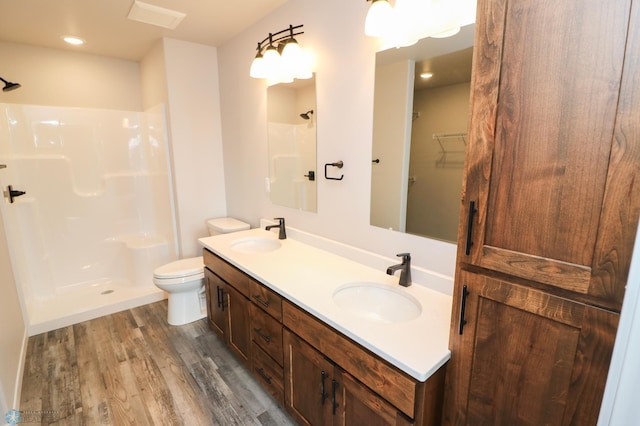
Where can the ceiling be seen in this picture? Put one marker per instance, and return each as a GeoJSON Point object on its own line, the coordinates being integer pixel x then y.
{"type": "Point", "coordinates": [103, 24]}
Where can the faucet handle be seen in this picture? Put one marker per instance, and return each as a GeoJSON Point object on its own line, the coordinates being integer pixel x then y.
{"type": "Point", "coordinates": [279, 219]}
{"type": "Point", "coordinates": [406, 257]}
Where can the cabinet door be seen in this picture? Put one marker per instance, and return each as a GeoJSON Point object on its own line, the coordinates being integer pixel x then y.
{"type": "Point", "coordinates": [216, 315]}
{"type": "Point", "coordinates": [357, 405]}
{"type": "Point", "coordinates": [238, 331]}
{"type": "Point", "coordinates": [525, 357]}
{"type": "Point", "coordinates": [308, 382]}
{"type": "Point", "coordinates": [553, 149]}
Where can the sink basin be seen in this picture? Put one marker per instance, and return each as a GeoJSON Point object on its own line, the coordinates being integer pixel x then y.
{"type": "Point", "coordinates": [255, 245]}
{"type": "Point", "coordinates": [377, 302]}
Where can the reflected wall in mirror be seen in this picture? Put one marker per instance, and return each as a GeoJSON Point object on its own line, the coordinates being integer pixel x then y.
{"type": "Point", "coordinates": [419, 135]}
{"type": "Point", "coordinates": [291, 116]}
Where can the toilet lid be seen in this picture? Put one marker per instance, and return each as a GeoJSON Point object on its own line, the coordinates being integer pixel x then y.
{"type": "Point", "coordinates": [180, 268]}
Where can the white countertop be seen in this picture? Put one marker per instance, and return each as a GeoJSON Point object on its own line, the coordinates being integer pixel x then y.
{"type": "Point", "coordinates": [308, 277]}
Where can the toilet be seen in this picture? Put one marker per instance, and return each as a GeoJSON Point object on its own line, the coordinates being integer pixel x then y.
{"type": "Point", "coordinates": [183, 279]}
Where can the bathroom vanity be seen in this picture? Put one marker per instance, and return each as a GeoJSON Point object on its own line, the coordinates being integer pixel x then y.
{"type": "Point", "coordinates": [331, 339]}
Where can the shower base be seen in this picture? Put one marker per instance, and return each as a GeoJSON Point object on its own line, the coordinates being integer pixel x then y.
{"type": "Point", "coordinates": [86, 303]}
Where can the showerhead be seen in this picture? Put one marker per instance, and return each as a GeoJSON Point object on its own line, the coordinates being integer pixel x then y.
{"type": "Point", "coordinates": [9, 86]}
{"type": "Point", "coordinates": [307, 115]}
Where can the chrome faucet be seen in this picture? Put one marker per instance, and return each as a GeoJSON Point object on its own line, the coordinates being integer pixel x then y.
{"type": "Point", "coordinates": [405, 269]}
{"type": "Point", "coordinates": [282, 235]}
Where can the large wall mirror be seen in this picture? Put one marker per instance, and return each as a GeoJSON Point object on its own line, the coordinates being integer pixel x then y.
{"type": "Point", "coordinates": [291, 116]}
{"type": "Point", "coordinates": [419, 135]}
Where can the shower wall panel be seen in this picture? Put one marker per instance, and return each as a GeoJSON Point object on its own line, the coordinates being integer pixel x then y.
{"type": "Point", "coordinates": [97, 194]}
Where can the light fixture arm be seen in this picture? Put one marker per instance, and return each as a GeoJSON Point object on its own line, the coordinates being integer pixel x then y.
{"type": "Point", "coordinates": [274, 38]}
{"type": "Point", "coordinates": [280, 58]}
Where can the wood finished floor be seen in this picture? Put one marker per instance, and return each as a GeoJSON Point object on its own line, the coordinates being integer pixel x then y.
{"type": "Point", "coordinates": [132, 368]}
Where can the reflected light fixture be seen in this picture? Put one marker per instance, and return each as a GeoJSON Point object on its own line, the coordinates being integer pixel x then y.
{"type": "Point", "coordinates": [280, 58]}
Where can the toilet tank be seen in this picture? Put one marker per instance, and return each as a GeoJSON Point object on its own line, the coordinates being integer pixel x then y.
{"type": "Point", "coordinates": [225, 225]}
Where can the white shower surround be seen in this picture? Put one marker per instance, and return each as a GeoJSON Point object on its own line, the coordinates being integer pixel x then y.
{"type": "Point", "coordinates": [97, 216]}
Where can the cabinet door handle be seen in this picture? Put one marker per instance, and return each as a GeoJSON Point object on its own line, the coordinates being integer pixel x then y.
{"type": "Point", "coordinates": [259, 299]}
{"type": "Point", "coordinates": [334, 403]}
{"type": "Point", "coordinates": [264, 375]}
{"type": "Point", "coordinates": [323, 394]}
{"type": "Point", "coordinates": [472, 212]}
{"type": "Point", "coordinates": [259, 332]}
{"type": "Point", "coordinates": [219, 298]}
{"type": "Point", "coordinates": [463, 305]}
{"type": "Point", "coordinates": [222, 304]}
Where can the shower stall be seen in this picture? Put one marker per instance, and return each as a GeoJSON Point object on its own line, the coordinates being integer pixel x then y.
{"type": "Point", "coordinates": [96, 216]}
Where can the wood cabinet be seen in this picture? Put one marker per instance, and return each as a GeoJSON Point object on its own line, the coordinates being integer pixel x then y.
{"type": "Point", "coordinates": [266, 336]}
{"type": "Point", "coordinates": [319, 376]}
{"type": "Point", "coordinates": [554, 145]}
{"type": "Point", "coordinates": [319, 393]}
{"type": "Point", "coordinates": [228, 314]}
{"type": "Point", "coordinates": [394, 396]}
{"type": "Point", "coordinates": [549, 212]}
{"type": "Point", "coordinates": [528, 357]}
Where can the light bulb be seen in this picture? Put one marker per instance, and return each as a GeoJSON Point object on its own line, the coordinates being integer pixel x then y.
{"type": "Point", "coordinates": [271, 61]}
{"type": "Point", "coordinates": [378, 18]}
{"type": "Point", "coordinates": [295, 61]}
{"type": "Point", "coordinates": [257, 67]}
{"type": "Point", "coordinates": [291, 54]}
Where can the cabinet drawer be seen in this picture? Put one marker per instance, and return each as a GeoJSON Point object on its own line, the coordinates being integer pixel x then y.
{"type": "Point", "coordinates": [266, 333]}
{"type": "Point", "coordinates": [266, 299]}
{"type": "Point", "coordinates": [232, 275]}
{"type": "Point", "coordinates": [384, 379]}
{"type": "Point", "coordinates": [268, 372]}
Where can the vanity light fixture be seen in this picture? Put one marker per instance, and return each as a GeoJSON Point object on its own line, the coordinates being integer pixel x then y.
{"type": "Point", "coordinates": [426, 75]}
{"type": "Point", "coordinates": [280, 58]}
{"type": "Point", "coordinates": [407, 21]}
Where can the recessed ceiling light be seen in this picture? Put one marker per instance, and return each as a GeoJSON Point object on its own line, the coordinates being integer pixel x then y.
{"type": "Point", "coordinates": [426, 75]}
{"type": "Point", "coordinates": [76, 41]}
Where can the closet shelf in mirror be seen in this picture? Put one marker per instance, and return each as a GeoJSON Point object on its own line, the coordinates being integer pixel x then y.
{"type": "Point", "coordinates": [452, 149]}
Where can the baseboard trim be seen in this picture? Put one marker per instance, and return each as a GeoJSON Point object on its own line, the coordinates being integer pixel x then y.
{"type": "Point", "coordinates": [17, 392]}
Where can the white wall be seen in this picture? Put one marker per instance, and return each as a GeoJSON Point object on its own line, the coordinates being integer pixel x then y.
{"type": "Point", "coordinates": [196, 140]}
{"type": "Point", "coordinates": [344, 66]}
{"type": "Point", "coordinates": [64, 78]}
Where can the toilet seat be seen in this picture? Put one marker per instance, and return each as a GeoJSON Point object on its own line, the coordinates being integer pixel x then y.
{"type": "Point", "coordinates": [180, 271]}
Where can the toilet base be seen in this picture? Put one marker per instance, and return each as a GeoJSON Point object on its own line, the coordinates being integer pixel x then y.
{"type": "Point", "coordinates": [185, 308]}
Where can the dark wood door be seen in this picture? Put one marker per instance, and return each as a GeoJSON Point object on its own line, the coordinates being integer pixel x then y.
{"type": "Point", "coordinates": [554, 144]}
{"type": "Point", "coordinates": [526, 357]}
{"type": "Point", "coordinates": [357, 405]}
{"type": "Point", "coordinates": [309, 379]}
{"type": "Point", "coordinates": [215, 313]}
{"type": "Point", "coordinates": [238, 325]}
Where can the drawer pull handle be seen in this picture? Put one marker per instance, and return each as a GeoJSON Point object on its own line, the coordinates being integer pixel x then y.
{"type": "Point", "coordinates": [323, 394]}
{"type": "Point", "coordinates": [463, 306]}
{"type": "Point", "coordinates": [259, 332]}
{"type": "Point", "coordinates": [472, 212]}
{"type": "Point", "coordinates": [334, 403]}
{"type": "Point", "coordinates": [264, 303]}
{"type": "Point", "coordinates": [264, 375]}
